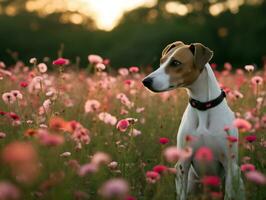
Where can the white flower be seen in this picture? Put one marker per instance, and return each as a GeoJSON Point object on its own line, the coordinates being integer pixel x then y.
{"type": "Point", "coordinates": [33, 60]}
{"type": "Point", "coordinates": [249, 68]}
{"type": "Point", "coordinates": [65, 154]}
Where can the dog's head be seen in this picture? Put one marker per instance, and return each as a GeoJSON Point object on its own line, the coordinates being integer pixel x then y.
{"type": "Point", "coordinates": [180, 66]}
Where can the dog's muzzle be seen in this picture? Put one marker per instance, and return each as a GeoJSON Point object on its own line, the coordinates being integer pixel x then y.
{"type": "Point", "coordinates": [147, 82]}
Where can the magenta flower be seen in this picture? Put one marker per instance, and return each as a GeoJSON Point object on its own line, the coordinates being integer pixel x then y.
{"type": "Point", "coordinates": [211, 181]}
{"type": "Point", "coordinates": [159, 168]}
{"type": "Point", "coordinates": [251, 138]}
{"type": "Point", "coordinates": [164, 140]}
{"type": "Point", "coordinates": [61, 62]}
{"type": "Point", "coordinates": [231, 138]}
{"type": "Point", "coordinates": [247, 167]}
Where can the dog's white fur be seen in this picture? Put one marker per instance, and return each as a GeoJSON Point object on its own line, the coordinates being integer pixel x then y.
{"type": "Point", "coordinates": [208, 126]}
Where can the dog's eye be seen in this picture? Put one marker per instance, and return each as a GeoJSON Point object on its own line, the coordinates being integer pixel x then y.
{"type": "Point", "coordinates": [175, 63]}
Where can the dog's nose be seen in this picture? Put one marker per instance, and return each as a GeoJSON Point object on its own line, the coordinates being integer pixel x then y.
{"type": "Point", "coordinates": [147, 82]}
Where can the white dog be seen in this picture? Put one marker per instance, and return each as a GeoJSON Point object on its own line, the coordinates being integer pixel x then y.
{"type": "Point", "coordinates": [205, 118]}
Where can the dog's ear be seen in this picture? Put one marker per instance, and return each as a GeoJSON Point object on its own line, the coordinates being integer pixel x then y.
{"type": "Point", "coordinates": [171, 46]}
{"type": "Point", "coordinates": [202, 54]}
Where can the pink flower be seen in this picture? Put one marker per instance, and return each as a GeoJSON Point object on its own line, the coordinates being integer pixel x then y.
{"type": "Point", "coordinates": [42, 67]}
{"type": "Point", "coordinates": [231, 138]}
{"type": "Point", "coordinates": [242, 124]}
{"type": "Point", "coordinates": [94, 59]}
{"type": "Point", "coordinates": [17, 94]}
{"type": "Point", "coordinates": [50, 139]}
{"type": "Point", "coordinates": [2, 64]}
{"type": "Point", "coordinates": [257, 80]}
{"type": "Point", "coordinates": [173, 154]}
{"type": "Point", "coordinates": [164, 140]}
{"type": "Point", "coordinates": [113, 165]}
{"type": "Point", "coordinates": [122, 125]}
{"type": "Point", "coordinates": [106, 61]}
{"type": "Point", "coordinates": [8, 191]}
{"type": "Point", "coordinates": [159, 168]}
{"type": "Point", "coordinates": [92, 106]}
{"type": "Point", "coordinates": [228, 66]}
{"type": "Point", "coordinates": [87, 169]}
{"type": "Point", "coordinates": [100, 158]}
{"type": "Point", "coordinates": [8, 98]}
{"type": "Point", "coordinates": [250, 138]}
{"type": "Point", "coordinates": [211, 180]}
{"type": "Point", "coordinates": [61, 62]}
{"type": "Point", "coordinates": [2, 135]}
{"type": "Point", "coordinates": [152, 176]}
{"type": "Point", "coordinates": [107, 118]}
{"type": "Point", "coordinates": [256, 177]}
{"type": "Point", "coordinates": [100, 66]}
{"type": "Point", "coordinates": [22, 158]}
{"type": "Point", "coordinates": [134, 69]}
{"type": "Point", "coordinates": [247, 167]}
{"type": "Point", "coordinates": [123, 71]}
{"type": "Point", "coordinates": [204, 154]}
{"type": "Point", "coordinates": [114, 188]}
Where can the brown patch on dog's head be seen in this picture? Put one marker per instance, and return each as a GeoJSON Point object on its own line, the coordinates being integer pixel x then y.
{"type": "Point", "coordinates": [186, 62]}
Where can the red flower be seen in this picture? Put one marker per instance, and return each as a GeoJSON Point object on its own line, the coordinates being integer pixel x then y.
{"type": "Point", "coordinates": [23, 84]}
{"type": "Point", "coordinates": [211, 180]}
{"type": "Point", "coordinates": [61, 61]}
{"type": "Point", "coordinates": [164, 140]}
{"type": "Point", "coordinates": [204, 154]}
{"type": "Point", "coordinates": [250, 138]}
{"type": "Point", "coordinates": [13, 116]}
{"type": "Point", "coordinates": [213, 65]}
{"type": "Point", "coordinates": [159, 168]}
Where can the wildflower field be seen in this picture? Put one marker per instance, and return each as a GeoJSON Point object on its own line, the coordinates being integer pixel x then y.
{"type": "Point", "coordinates": [97, 133]}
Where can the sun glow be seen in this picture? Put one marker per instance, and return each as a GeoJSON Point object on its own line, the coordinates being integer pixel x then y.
{"type": "Point", "coordinates": [106, 13]}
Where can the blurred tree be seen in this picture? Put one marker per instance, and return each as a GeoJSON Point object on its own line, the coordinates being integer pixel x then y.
{"type": "Point", "coordinates": [141, 35]}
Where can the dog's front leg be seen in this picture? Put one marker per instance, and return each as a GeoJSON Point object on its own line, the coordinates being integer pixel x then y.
{"type": "Point", "coordinates": [181, 180]}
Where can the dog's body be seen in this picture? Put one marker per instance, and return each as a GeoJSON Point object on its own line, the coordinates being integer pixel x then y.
{"type": "Point", "coordinates": [179, 61]}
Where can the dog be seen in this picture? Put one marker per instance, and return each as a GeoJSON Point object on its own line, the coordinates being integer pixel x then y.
{"type": "Point", "coordinates": [205, 118]}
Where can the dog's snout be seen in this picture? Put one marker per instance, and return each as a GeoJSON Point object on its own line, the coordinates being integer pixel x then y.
{"type": "Point", "coordinates": [147, 82]}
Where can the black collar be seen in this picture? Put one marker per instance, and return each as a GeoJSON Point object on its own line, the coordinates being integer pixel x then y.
{"type": "Point", "coordinates": [209, 104]}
